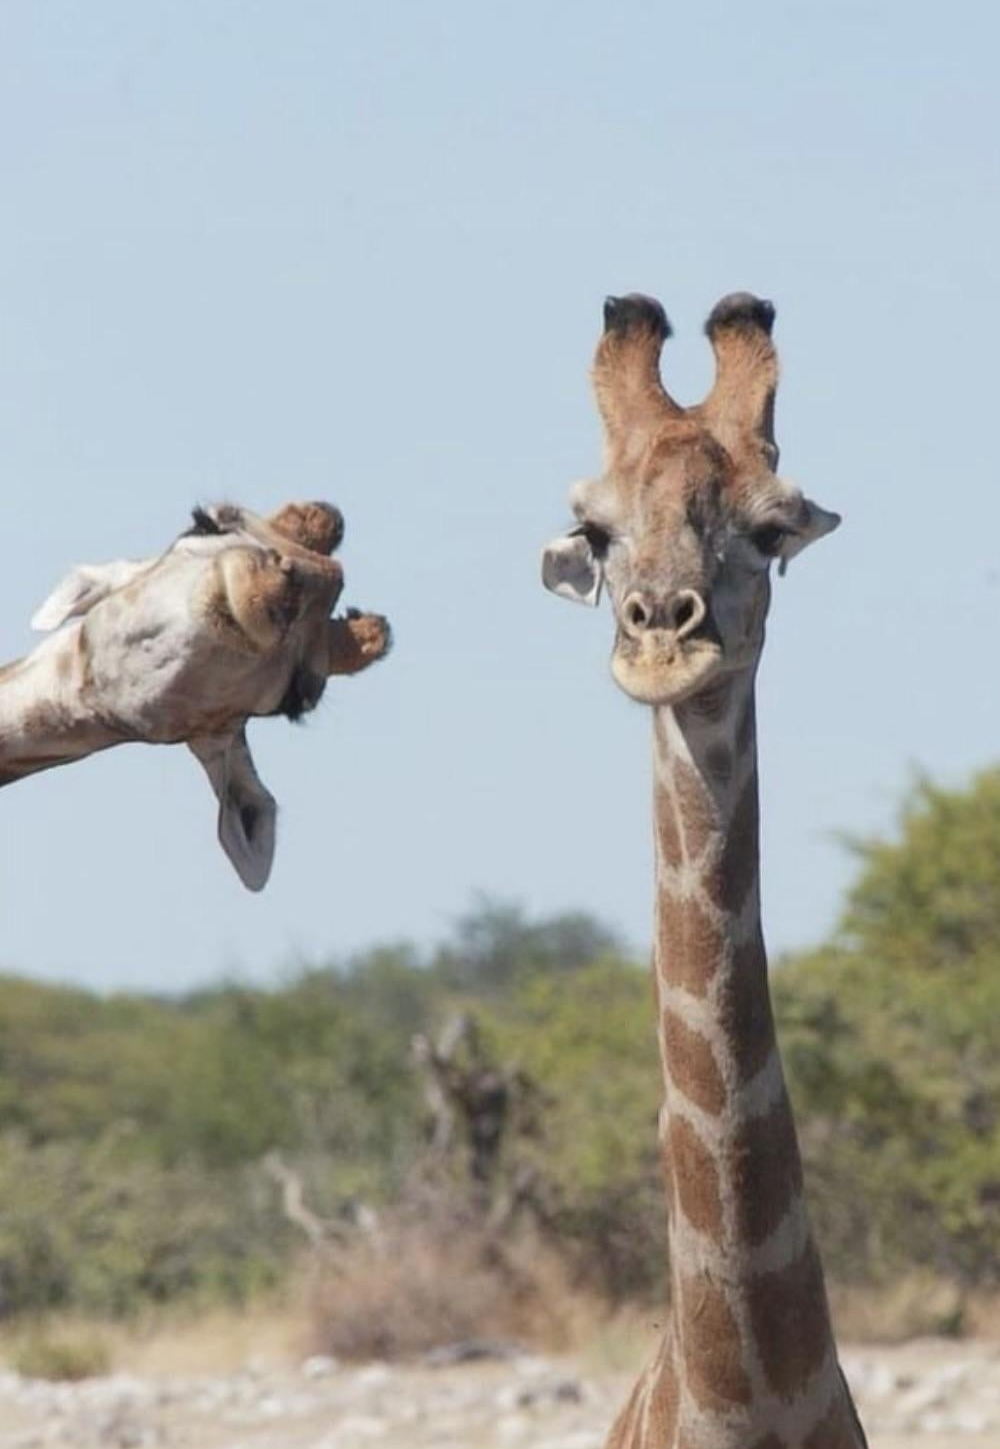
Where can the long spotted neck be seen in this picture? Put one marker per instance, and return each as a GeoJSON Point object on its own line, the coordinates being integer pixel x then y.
{"type": "Point", "coordinates": [44, 719]}
{"type": "Point", "coordinates": [748, 1359]}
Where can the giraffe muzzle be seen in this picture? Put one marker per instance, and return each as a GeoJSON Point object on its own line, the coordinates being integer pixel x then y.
{"type": "Point", "coordinates": [664, 666]}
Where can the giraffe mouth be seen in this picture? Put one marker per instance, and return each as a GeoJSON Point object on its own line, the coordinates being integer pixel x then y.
{"type": "Point", "coordinates": [658, 668]}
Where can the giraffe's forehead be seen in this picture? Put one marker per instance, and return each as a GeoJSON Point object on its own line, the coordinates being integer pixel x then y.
{"type": "Point", "coordinates": [682, 464]}
{"type": "Point", "coordinates": [684, 478]}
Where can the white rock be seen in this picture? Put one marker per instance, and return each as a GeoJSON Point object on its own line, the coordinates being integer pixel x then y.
{"type": "Point", "coordinates": [926, 1394]}
{"type": "Point", "coordinates": [273, 1406]}
{"type": "Point", "coordinates": [529, 1366]}
{"type": "Point", "coordinates": [373, 1376]}
{"type": "Point", "coordinates": [970, 1421]}
{"type": "Point", "coordinates": [877, 1381]}
{"type": "Point", "coordinates": [580, 1439]}
{"type": "Point", "coordinates": [319, 1366]}
{"type": "Point", "coordinates": [513, 1428]}
{"type": "Point", "coordinates": [359, 1428]}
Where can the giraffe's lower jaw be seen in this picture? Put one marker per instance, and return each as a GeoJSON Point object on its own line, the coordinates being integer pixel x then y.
{"type": "Point", "coordinates": [651, 672]}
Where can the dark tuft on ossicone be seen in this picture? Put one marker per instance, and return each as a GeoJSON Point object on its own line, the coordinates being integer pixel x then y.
{"type": "Point", "coordinates": [627, 314]}
{"type": "Point", "coordinates": [740, 309]}
{"type": "Point", "coordinates": [203, 524]}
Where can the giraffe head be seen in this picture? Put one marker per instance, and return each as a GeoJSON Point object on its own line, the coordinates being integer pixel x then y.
{"type": "Point", "coordinates": [689, 514]}
{"type": "Point", "coordinates": [230, 623]}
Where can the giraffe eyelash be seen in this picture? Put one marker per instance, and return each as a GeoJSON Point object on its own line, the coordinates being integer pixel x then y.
{"type": "Point", "coordinates": [768, 538]}
{"type": "Point", "coordinates": [598, 538]}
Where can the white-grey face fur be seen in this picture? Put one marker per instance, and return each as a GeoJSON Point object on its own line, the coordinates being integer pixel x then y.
{"type": "Point", "coordinates": [682, 526]}
{"type": "Point", "coordinates": [715, 561]}
{"type": "Point", "coordinates": [231, 622]}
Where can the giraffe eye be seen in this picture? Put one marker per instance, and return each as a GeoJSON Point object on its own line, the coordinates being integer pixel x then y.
{"type": "Point", "coordinates": [768, 539]}
{"type": "Point", "coordinates": [598, 538]}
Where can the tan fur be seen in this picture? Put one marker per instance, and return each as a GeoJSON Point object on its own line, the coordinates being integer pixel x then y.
{"type": "Point", "coordinates": [790, 1321]}
{"type": "Point", "coordinates": [766, 1171]}
{"type": "Point", "coordinates": [696, 1180]}
{"type": "Point", "coordinates": [695, 941]}
{"type": "Point", "coordinates": [231, 622]}
{"type": "Point", "coordinates": [691, 1058]}
{"type": "Point", "coordinates": [679, 530]}
{"type": "Point", "coordinates": [353, 644]}
{"type": "Point", "coordinates": [712, 1351]}
{"type": "Point", "coordinates": [314, 526]}
{"type": "Point", "coordinates": [744, 1007]}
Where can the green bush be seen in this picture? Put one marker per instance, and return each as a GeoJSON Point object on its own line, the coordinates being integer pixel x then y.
{"type": "Point", "coordinates": [93, 1227]}
{"type": "Point", "coordinates": [132, 1128]}
{"type": "Point", "coordinates": [892, 1040]}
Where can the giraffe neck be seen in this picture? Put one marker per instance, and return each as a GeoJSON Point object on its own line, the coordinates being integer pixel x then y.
{"type": "Point", "coordinates": [749, 1350]}
{"type": "Point", "coordinates": [44, 716]}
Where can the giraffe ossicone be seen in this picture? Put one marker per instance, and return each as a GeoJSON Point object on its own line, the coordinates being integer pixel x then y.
{"type": "Point", "coordinates": [233, 621]}
{"type": "Point", "coordinates": [680, 531]}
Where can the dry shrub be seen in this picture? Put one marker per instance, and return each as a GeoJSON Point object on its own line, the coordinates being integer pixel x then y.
{"type": "Point", "coordinates": [424, 1284]}
{"type": "Point", "coordinates": [60, 1353]}
{"type": "Point", "coordinates": [915, 1305]}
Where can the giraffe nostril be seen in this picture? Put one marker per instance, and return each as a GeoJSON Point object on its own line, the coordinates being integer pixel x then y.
{"type": "Point", "coordinates": [679, 613]}
{"type": "Point", "coordinates": [683, 612]}
{"type": "Point", "coordinates": [636, 612]}
{"type": "Point", "coordinates": [687, 610]}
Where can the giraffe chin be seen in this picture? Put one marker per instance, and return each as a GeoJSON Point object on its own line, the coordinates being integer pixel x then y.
{"type": "Point", "coordinates": [653, 673]}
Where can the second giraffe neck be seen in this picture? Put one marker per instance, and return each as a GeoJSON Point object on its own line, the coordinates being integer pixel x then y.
{"type": "Point", "coordinates": [44, 720]}
{"type": "Point", "coordinates": [749, 1314]}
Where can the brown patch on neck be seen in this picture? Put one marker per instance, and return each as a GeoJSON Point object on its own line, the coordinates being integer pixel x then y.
{"type": "Point", "coordinates": [712, 704]}
{"type": "Point", "coordinates": [689, 944]}
{"type": "Point", "coordinates": [729, 884]}
{"type": "Point", "coordinates": [744, 1005]}
{"type": "Point", "coordinates": [711, 1345]}
{"type": "Point", "coordinates": [791, 1323]}
{"type": "Point", "coordinates": [696, 1178]}
{"type": "Point", "coordinates": [698, 814]}
{"type": "Point", "coordinates": [686, 817]}
{"type": "Point", "coordinates": [766, 1172]}
{"type": "Point", "coordinates": [668, 835]}
{"type": "Point", "coordinates": [692, 1065]}
{"type": "Point", "coordinates": [719, 762]}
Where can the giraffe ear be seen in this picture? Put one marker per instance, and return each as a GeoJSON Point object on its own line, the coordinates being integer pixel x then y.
{"type": "Point", "coordinates": [817, 523]}
{"type": "Point", "coordinates": [247, 811]}
{"type": "Point", "coordinates": [81, 589]}
{"type": "Point", "coordinates": [571, 570]}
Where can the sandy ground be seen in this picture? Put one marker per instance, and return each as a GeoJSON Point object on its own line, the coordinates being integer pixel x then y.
{"type": "Point", "coordinates": [929, 1394]}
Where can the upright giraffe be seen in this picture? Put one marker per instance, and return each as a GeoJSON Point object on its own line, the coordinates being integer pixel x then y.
{"type": "Point", "coordinates": [681, 529]}
{"type": "Point", "coordinates": [232, 621]}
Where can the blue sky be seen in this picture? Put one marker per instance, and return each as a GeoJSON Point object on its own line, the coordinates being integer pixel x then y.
{"type": "Point", "coordinates": [358, 251]}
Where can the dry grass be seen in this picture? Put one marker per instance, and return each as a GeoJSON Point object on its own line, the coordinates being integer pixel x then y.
{"type": "Point", "coordinates": [268, 1334]}
{"type": "Point", "coordinates": [59, 1351]}
{"type": "Point", "coordinates": [429, 1288]}
{"type": "Point", "coordinates": [917, 1305]}
{"type": "Point", "coordinates": [426, 1285]}
{"type": "Point", "coordinates": [161, 1342]}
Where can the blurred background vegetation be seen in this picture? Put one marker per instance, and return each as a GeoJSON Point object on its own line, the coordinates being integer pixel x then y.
{"type": "Point", "coordinates": [486, 1111]}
